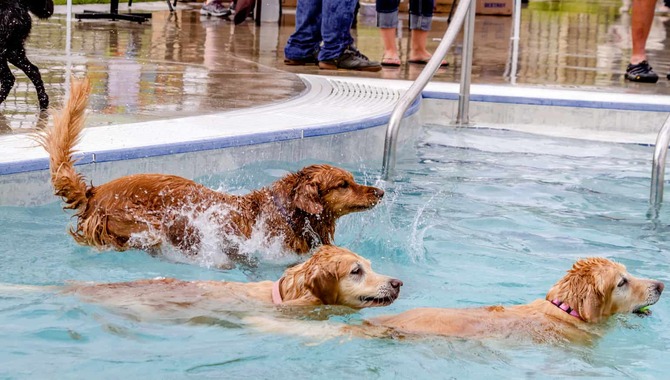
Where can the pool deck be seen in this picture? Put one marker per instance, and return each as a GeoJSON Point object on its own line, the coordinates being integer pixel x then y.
{"type": "Point", "coordinates": [185, 82]}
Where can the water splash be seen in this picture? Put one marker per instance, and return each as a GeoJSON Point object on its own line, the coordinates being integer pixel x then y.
{"type": "Point", "coordinates": [216, 248]}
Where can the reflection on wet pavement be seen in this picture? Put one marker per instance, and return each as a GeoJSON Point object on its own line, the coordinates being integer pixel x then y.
{"type": "Point", "coordinates": [184, 64]}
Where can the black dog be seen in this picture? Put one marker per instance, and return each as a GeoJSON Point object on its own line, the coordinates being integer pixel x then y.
{"type": "Point", "coordinates": [15, 25]}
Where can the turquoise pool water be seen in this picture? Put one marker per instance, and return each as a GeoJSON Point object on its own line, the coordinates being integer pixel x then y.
{"type": "Point", "coordinates": [477, 217]}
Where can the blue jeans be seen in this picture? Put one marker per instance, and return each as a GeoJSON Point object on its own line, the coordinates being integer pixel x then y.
{"type": "Point", "coordinates": [420, 13]}
{"type": "Point", "coordinates": [317, 21]}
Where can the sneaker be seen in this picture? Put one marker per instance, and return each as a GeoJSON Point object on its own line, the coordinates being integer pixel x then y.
{"type": "Point", "coordinates": [214, 8]}
{"type": "Point", "coordinates": [641, 72]}
{"type": "Point", "coordinates": [301, 61]}
{"type": "Point", "coordinates": [350, 59]}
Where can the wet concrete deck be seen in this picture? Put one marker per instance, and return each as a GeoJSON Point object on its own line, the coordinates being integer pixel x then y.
{"type": "Point", "coordinates": [183, 64]}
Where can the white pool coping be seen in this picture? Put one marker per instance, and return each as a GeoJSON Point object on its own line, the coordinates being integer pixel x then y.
{"type": "Point", "coordinates": [330, 105]}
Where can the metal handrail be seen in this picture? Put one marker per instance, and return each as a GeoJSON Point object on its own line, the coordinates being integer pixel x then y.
{"type": "Point", "coordinates": [658, 166]}
{"type": "Point", "coordinates": [463, 115]}
{"type": "Point", "coordinates": [420, 83]}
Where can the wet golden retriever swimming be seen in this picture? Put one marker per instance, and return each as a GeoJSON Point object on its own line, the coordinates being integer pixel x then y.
{"type": "Point", "coordinates": [591, 292]}
{"type": "Point", "coordinates": [332, 276]}
{"type": "Point", "coordinates": [145, 210]}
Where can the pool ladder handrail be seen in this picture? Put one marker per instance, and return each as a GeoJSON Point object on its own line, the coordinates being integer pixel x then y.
{"type": "Point", "coordinates": [658, 167]}
{"type": "Point", "coordinates": [465, 7]}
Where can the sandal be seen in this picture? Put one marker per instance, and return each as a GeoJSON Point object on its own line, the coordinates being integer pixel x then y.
{"type": "Point", "coordinates": [391, 62]}
{"type": "Point", "coordinates": [425, 61]}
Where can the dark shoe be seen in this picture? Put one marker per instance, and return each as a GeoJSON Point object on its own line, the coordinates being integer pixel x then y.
{"type": "Point", "coordinates": [641, 72]}
{"type": "Point", "coordinates": [311, 60]}
{"type": "Point", "coordinates": [301, 61]}
{"type": "Point", "coordinates": [350, 59]}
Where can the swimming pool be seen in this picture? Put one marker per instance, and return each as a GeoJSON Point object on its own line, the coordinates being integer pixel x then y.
{"type": "Point", "coordinates": [476, 217]}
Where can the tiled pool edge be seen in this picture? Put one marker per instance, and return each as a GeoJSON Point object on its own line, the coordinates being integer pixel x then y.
{"type": "Point", "coordinates": [340, 107]}
{"type": "Point", "coordinates": [339, 98]}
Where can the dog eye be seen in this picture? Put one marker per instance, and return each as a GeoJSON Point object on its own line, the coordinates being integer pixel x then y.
{"type": "Point", "coordinates": [622, 282]}
{"type": "Point", "coordinates": [356, 271]}
{"type": "Point", "coordinates": [344, 184]}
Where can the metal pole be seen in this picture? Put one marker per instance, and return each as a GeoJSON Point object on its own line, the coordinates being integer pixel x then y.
{"type": "Point", "coordinates": [68, 47]}
{"type": "Point", "coordinates": [517, 19]}
{"type": "Point", "coordinates": [419, 84]}
{"type": "Point", "coordinates": [515, 41]}
{"type": "Point", "coordinates": [463, 115]}
{"type": "Point", "coordinates": [658, 164]}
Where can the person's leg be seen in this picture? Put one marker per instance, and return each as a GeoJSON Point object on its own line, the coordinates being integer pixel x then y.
{"type": "Point", "coordinates": [303, 44]}
{"type": "Point", "coordinates": [338, 50]}
{"type": "Point", "coordinates": [641, 18]}
{"type": "Point", "coordinates": [337, 16]}
{"type": "Point", "coordinates": [387, 22]}
{"type": "Point", "coordinates": [418, 41]}
{"type": "Point", "coordinates": [420, 20]}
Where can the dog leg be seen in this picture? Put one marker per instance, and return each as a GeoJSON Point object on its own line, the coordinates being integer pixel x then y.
{"type": "Point", "coordinates": [18, 58]}
{"type": "Point", "coordinates": [6, 80]}
{"type": "Point", "coordinates": [183, 235]}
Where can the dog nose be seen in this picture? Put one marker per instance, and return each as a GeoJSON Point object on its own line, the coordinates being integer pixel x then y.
{"type": "Point", "coordinates": [659, 287]}
{"type": "Point", "coordinates": [379, 193]}
{"type": "Point", "coordinates": [395, 283]}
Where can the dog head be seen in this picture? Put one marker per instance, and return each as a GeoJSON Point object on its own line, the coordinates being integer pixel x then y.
{"type": "Point", "coordinates": [320, 189]}
{"type": "Point", "coordinates": [598, 288]}
{"type": "Point", "coordinates": [337, 276]}
{"type": "Point", "coordinates": [40, 8]}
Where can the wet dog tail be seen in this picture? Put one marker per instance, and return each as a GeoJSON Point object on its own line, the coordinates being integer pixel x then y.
{"type": "Point", "coordinates": [60, 141]}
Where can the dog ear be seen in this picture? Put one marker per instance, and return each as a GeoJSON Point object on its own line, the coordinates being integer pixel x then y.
{"type": "Point", "coordinates": [306, 197]}
{"type": "Point", "coordinates": [322, 282]}
{"type": "Point", "coordinates": [591, 306]}
{"type": "Point", "coordinates": [596, 303]}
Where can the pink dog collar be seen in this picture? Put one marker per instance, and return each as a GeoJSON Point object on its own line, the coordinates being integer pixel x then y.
{"type": "Point", "coordinates": [566, 308]}
{"type": "Point", "coordinates": [276, 294]}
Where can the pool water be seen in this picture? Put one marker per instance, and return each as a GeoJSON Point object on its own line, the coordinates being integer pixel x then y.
{"type": "Point", "coordinates": [475, 217]}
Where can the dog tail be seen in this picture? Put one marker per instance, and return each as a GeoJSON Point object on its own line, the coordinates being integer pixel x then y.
{"type": "Point", "coordinates": [60, 141]}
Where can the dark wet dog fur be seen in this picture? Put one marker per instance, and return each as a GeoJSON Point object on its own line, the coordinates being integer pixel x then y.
{"type": "Point", "coordinates": [15, 26]}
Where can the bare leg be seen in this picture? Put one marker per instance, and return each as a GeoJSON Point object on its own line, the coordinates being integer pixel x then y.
{"type": "Point", "coordinates": [418, 46]}
{"type": "Point", "coordinates": [641, 19]}
{"type": "Point", "coordinates": [390, 44]}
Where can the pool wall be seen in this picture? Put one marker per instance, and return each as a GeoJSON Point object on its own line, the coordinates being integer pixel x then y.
{"type": "Point", "coordinates": [362, 147]}
{"type": "Point", "coordinates": [335, 120]}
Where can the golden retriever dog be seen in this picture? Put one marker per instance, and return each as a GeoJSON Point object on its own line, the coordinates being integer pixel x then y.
{"type": "Point", "coordinates": [573, 311]}
{"type": "Point", "coordinates": [143, 211]}
{"type": "Point", "coordinates": [331, 276]}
